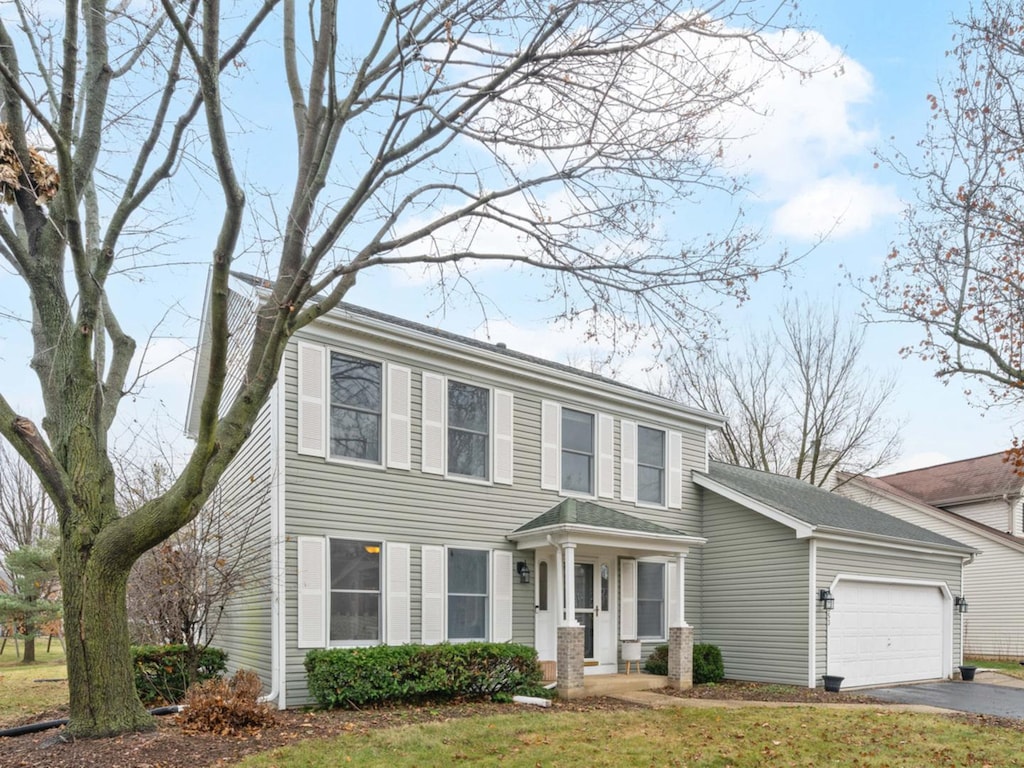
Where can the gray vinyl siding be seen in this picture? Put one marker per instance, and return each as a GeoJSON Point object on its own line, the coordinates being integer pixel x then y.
{"type": "Point", "coordinates": [833, 560]}
{"type": "Point", "coordinates": [992, 582]}
{"type": "Point", "coordinates": [335, 498]}
{"type": "Point", "coordinates": [994, 513]}
{"type": "Point", "coordinates": [754, 596]}
{"type": "Point", "coordinates": [243, 500]}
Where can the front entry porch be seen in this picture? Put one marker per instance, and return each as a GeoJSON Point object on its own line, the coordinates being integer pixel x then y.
{"type": "Point", "coordinates": [604, 578]}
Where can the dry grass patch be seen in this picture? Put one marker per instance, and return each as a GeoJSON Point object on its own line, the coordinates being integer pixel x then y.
{"type": "Point", "coordinates": [697, 738]}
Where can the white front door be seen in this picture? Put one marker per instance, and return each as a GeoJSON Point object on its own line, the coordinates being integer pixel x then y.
{"type": "Point", "coordinates": [594, 584]}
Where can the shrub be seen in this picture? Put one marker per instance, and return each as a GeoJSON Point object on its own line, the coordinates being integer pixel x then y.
{"type": "Point", "coordinates": [164, 672]}
{"type": "Point", "coordinates": [657, 662]}
{"type": "Point", "coordinates": [352, 677]}
{"type": "Point", "coordinates": [226, 707]}
{"type": "Point", "coordinates": [707, 664]}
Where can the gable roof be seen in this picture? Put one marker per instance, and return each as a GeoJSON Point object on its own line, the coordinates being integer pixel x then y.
{"type": "Point", "coordinates": [586, 513]}
{"type": "Point", "coordinates": [813, 509]}
{"type": "Point", "coordinates": [878, 486]}
{"type": "Point", "coordinates": [983, 477]}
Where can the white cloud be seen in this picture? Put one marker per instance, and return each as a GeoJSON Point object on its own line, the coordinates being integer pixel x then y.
{"type": "Point", "coordinates": [837, 206]}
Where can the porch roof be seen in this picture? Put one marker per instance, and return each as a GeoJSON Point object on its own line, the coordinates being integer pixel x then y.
{"type": "Point", "coordinates": [575, 520]}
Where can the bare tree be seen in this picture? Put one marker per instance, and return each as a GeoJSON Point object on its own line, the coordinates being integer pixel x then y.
{"type": "Point", "coordinates": [26, 514]}
{"type": "Point", "coordinates": [798, 402]}
{"type": "Point", "coordinates": [958, 271]}
{"type": "Point", "coordinates": [451, 133]}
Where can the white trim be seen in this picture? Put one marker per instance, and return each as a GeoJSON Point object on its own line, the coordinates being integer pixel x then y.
{"type": "Point", "coordinates": [812, 615]}
{"type": "Point", "coordinates": [278, 555]}
{"type": "Point", "coordinates": [856, 538]}
{"type": "Point", "coordinates": [802, 529]}
{"type": "Point", "coordinates": [571, 533]}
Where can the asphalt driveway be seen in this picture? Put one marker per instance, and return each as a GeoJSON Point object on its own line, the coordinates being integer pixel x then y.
{"type": "Point", "coordinates": [989, 694]}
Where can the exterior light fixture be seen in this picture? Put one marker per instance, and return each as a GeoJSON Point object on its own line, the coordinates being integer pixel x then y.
{"type": "Point", "coordinates": [524, 572]}
{"type": "Point", "coordinates": [827, 601]}
{"type": "Point", "coordinates": [960, 603]}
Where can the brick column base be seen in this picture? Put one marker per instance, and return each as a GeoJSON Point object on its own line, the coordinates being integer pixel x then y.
{"type": "Point", "coordinates": [569, 674]}
{"type": "Point", "coordinates": [680, 657]}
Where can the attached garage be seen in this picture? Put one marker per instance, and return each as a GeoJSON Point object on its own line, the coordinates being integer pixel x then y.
{"type": "Point", "coordinates": [888, 632]}
{"type": "Point", "coordinates": [775, 543]}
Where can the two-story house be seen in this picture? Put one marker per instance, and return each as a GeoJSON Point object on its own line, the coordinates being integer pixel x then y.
{"type": "Point", "coordinates": [411, 485]}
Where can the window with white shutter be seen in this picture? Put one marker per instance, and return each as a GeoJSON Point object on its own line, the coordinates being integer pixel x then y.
{"type": "Point", "coordinates": [312, 417]}
{"type": "Point", "coordinates": [433, 424]}
{"type": "Point", "coordinates": [501, 596]}
{"type": "Point", "coordinates": [432, 622]}
{"type": "Point", "coordinates": [550, 439]}
{"type": "Point", "coordinates": [675, 470]}
{"type": "Point", "coordinates": [397, 597]}
{"type": "Point", "coordinates": [312, 631]}
{"type": "Point", "coordinates": [606, 456]}
{"type": "Point", "coordinates": [503, 440]}
{"type": "Point", "coordinates": [399, 417]}
{"type": "Point", "coordinates": [627, 599]}
{"type": "Point", "coordinates": [627, 459]}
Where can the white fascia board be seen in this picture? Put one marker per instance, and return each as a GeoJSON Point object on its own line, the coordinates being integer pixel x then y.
{"type": "Point", "coordinates": [802, 528]}
{"type": "Point", "coordinates": [843, 536]}
{"type": "Point", "coordinates": [537, 373]}
{"type": "Point", "coordinates": [564, 533]}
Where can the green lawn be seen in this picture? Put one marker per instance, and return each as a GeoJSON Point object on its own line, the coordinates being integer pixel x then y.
{"type": "Point", "coordinates": [697, 738]}
{"type": "Point", "coordinates": [20, 695]}
{"type": "Point", "coordinates": [1007, 666]}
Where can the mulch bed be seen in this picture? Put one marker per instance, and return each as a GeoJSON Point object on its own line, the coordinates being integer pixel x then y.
{"type": "Point", "coordinates": [170, 747]}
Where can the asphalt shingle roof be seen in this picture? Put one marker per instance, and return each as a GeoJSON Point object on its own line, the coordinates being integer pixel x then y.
{"type": "Point", "coordinates": [820, 508]}
{"type": "Point", "coordinates": [577, 512]}
{"type": "Point", "coordinates": [978, 478]}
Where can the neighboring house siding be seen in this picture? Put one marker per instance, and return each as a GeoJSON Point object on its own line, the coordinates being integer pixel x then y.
{"type": "Point", "coordinates": [345, 500]}
{"type": "Point", "coordinates": [755, 581]}
{"type": "Point", "coordinates": [243, 501]}
{"type": "Point", "coordinates": [833, 560]}
{"type": "Point", "coordinates": [995, 624]}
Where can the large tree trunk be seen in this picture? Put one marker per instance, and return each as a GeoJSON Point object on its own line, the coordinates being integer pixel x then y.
{"type": "Point", "coordinates": [100, 680]}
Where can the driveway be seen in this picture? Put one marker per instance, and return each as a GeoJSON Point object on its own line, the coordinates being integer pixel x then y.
{"type": "Point", "coordinates": [989, 694]}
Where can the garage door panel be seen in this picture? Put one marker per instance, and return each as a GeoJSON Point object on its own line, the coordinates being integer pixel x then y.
{"type": "Point", "coordinates": [885, 633]}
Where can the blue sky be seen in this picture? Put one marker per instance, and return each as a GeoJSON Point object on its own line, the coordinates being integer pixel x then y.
{"type": "Point", "coordinates": [811, 167]}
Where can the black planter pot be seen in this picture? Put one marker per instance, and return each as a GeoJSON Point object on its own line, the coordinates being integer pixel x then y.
{"type": "Point", "coordinates": [832, 683]}
{"type": "Point", "coordinates": [967, 673]}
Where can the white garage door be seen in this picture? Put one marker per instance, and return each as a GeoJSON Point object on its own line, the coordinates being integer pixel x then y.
{"type": "Point", "coordinates": [886, 633]}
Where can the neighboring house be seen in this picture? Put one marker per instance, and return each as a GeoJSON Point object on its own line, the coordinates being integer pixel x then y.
{"type": "Point", "coordinates": [985, 488]}
{"type": "Point", "coordinates": [427, 487]}
{"type": "Point", "coordinates": [994, 580]}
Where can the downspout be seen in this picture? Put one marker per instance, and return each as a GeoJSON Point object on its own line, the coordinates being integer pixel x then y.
{"type": "Point", "coordinates": [277, 544]}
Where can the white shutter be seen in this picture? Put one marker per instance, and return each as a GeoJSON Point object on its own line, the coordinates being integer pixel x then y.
{"type": "Point", "coordinates": [433, 595]}
{"type": "Point", "coordinates": [672, 571]}
{"type": "Point", "coordinates": [433, 423]}
{"type": "Point", "coordinates": [397, 596]}
{"type": "Point", "coordinates": [606, 456]}
{"type": "Point", "coordinates": [311, 606]}
{"type": "Point", "coordinates": [550, 445]}
{"type": "Point", "coordinates": [399, 421]}
{"type": "Point", "coordinates": [503, 410]}
{"type": "Point", "coordinates": [501, 596]}
{"type": "Point", "coordinates": [627, 599]}
{"type": "Point", "coordinates": [312, 403]}
{"type": "Point", "coordinates": [675, 470]}
{"type": "Point", "coordinates": [627, 479]}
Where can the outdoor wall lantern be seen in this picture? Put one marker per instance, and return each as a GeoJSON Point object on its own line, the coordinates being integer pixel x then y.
{"type": "Point", "coordinates": [827, 601]}
{"type": "Point", "coordinates": [960, 603]}
{"type": "Point", "coordinates": [524, 572]}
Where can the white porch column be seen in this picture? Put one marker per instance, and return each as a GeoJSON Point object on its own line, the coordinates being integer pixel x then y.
{"type": "Point", "coordinates": [560, 586]}
{"type": "Point", "coordinates": [679, 620]}
{"type": "Point", "coordinates": [570, 586]}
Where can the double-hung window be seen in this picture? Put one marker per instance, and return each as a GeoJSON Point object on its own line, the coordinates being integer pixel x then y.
{"type": "Point", "coordinates": [356, 397]}
{"type": "Point", "coordinates": [468, 430]}
{"type": "Point", "coordinates": [650, 465]}
{"type": "Point", "coordinates": [355, 591]}
{"type": "Point", "coordinates": [650, 600]}
{"type": "Point", "coordinates": [577, 451]}
{"type": "Point", "coordinates": [467, 594]}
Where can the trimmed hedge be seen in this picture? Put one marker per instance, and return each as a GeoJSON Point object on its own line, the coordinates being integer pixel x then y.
{"type": "Point", "coordinates": [353, 677]}
{"type": "Point", "coordinates": [707, 663]}
{"type": "Point", "coordinates": [164, 672]}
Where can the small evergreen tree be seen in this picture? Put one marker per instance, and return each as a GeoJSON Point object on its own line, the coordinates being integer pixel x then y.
{"type": "Point", "coordinates": [30, 598]}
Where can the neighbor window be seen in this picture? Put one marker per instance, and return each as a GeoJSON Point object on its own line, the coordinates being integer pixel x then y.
{"type": "Point", "coordinates": [577, 451]}
{"type": "Point", "coordinates": [355, 408]}
{"type": "Point", "coordinates": [650, 600]}
{"type": "Point", "coordinates": [467, 594]}
{"type": "Point", "coordinates": [468, 430]}
{"type": "Point", "coordinates": [650, 465]}
{"type": "Point", "coordinates": [355, 591]}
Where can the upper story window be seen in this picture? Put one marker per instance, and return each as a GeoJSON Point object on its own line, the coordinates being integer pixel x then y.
{"type": "Point", "coordinates": [355, 593]}
{"type": "Point", "coordinates": [577, 451]}
{"type": "Point", "coordinates": [355, 397]}
{"type": "Point", "coordinates": [469, 430]}
{"type": "Point", "coordinates": [650, 465]}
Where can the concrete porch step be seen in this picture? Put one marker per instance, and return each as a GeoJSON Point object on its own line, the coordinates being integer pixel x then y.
{"type": "Point", "coordinates": [608, 685]}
